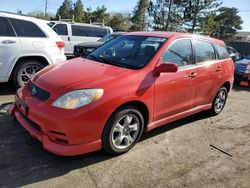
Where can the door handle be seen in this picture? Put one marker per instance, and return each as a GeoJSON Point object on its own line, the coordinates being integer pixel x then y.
{"type": "Point", "coordinates": [8, 42]}
{"type": "Point", "coordinates": [192, 75]}
{"type": "Point", "coordinates": [218, 69]}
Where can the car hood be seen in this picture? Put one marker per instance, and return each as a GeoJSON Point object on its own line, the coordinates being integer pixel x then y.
{"type": "Point", "coordinates": [243, 61]}
{"type": "Point", "coordinates": [90, 44]}
{"type": "Point", "coordinates": [80, 73]}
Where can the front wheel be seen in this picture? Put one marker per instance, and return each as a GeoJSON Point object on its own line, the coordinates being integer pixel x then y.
{"type": "Point", "coordinates": [25, 70]}
{"type": "Point", "coordinates": [219, 101]}
{"type": "Point", "coordinates": [123, 130]}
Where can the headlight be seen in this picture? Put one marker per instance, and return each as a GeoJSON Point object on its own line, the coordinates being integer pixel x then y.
{"type": "Point", "coordinates": [89, 50]}
{"type": "Point", "coordinates": [78, 98]}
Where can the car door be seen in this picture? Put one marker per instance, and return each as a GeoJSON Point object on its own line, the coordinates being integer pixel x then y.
{"type": "Point", "coordinates": [10, 48]}
{"type": "Point", "coordinates": [210, 70]}
{"type": "Point", "coordinates": [174, 92]}
{"type": "Point", "coordinates": [63, 31]}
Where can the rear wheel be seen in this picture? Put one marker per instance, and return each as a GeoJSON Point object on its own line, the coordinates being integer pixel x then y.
{"type": "Point", "coordinates": [123, 130]}
{"type": "Point", "coordinates": [25, 70]}
{"type": "Point", "coordinates": [219, 101]}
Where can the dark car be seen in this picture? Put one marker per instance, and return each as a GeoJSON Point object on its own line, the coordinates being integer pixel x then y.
{"type": "Point", "coordinates": [83, 49]}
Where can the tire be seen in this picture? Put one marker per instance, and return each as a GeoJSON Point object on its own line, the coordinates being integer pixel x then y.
{"type": "Point", "coordinates": [219, 101]}
{"type": "Point", "coordinates": [30, 66]}
{"type": "Point", "coordinates": [127, 117]}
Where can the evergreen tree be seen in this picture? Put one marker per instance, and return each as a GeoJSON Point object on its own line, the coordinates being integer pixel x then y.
{"type": "Point", "coordinates": [140, 15]}
{"type": "Point", "coordinates": [119, 22]}
{"type": "Point", "coordinates": [223, 24]}
{"type": "Point", "coordinates": [78, 11]}
{"type": "Point", "coordinates": [167, 14]}
{"type": "Point", "coordinates": [195, 12]}
{"type": "Point", "coordinates": [65, 10]}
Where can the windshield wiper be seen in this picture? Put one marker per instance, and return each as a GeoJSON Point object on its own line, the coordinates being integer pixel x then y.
{"type": "Point", "coordinates": [112, 62]}
{"type": "Point", "coordinates": [93, 57]}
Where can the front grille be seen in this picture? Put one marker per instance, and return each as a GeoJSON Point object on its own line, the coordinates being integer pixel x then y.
{"type": "Point", "coordinates": [241, 67]}
{"type": "Point", "coordinates": [38, 92]}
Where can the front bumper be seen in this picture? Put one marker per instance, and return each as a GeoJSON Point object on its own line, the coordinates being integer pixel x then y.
{"type": "Point", "coordinates": [53, 147]}
{"type": "Point", "coordinates": [242, 77]}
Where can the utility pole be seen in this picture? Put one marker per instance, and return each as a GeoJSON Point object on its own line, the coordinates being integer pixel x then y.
{"type": "Point", "coordinates": [45, 10]}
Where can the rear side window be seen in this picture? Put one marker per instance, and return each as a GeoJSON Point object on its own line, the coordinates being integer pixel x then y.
{"type": "Point", "coordinates": [26, 28]}
{"type": "Point", "coordinates": [87, 31]}
{"type": "Point", "coordinates": [222, 51]}
{"type": "Point", "coordinates": [180, 52]}
{"type": "Point", "coordinates": [61, 29]}
{"type": "Point", "coordinates": [204, 51]}
{"type": "Point", "coordinates": [5, 28]}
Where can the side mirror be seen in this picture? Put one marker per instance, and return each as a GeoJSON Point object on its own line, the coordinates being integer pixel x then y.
{"type": "Point", "coordinates": [167, 67]}
{"type": "Point", "coordinates": [233, 56]}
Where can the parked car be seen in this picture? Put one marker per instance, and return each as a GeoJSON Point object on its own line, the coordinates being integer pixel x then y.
{"type": "Point", "coordinates": [75, 33]}
{"type": "Point", "coordinates": [131, 84]}
{"type": "Point", "coordinates": [242, 69]}
{"type": "Point", "coordinates": [83, 49]}
{"type": "Point", "coordinates": [26, 46]}
{"type": "Point", "coordinates": [233, 53]}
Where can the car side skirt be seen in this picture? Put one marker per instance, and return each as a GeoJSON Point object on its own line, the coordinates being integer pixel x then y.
{"type": "Point", "coordinates": [178, 116]}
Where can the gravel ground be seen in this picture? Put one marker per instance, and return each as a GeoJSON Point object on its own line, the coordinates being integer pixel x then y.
{"type": "Point", "coordinates": [181, 154]}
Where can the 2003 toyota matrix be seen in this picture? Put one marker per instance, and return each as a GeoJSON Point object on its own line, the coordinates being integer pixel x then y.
{"type": "Point", "coordinates": [134, 83]}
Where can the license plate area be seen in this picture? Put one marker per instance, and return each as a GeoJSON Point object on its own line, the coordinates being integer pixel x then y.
{"type": "Point", "coordinates": [22, 106]}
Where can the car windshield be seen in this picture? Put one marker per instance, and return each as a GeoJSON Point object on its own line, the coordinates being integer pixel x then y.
{"type": "Point", "coordinates": [128, 51]}
{"type": "Point", "coordinates": [248, 56]}
{"type": "Point", "coordinates": [107, 38]}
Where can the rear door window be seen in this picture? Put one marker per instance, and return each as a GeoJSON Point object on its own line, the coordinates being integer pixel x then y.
{"type": "Point", "coordinates": [222, 51]}
{"type": "Point", "coordinates": [204, 51]}
{"type": "Point", "coordinates": [180, 53]}
{"type": "Point", "coordinates": [5, 28]}
{"type": "Point", "coordinates": [26, 29]}
{"type": "Point", "coordinates": [61, 29]}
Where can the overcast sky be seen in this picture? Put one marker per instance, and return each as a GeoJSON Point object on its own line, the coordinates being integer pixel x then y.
{"type": "Point", "coordinates": [112, 5]}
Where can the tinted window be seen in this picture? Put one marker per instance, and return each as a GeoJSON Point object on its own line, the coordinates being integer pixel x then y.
{"type": "Point", "coordinates": [88, 31]}
{"type": "Point", "coordinates": [204, 51]}
{"type": "Point", "coordinates": [127, 51]}
{"type": "Point", "coordinates": [222, 52]}
{"type": "Point", "coordinates": [180, 52]}
{"type": "Point", "coordinates": [5, 28]}
{"type": "Point", "coordinates": [26, 28]}
{"type": "Point", "coordinates": [61, 29]}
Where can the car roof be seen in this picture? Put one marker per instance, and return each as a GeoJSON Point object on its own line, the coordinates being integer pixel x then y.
{"type": "Point", "coordinates": [164, 34]}
{"type": "Point", "coordinates": [118, 33]}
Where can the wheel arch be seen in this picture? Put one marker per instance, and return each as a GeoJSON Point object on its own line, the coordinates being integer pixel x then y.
{"type": "Point", "coordinates": [142, 107]}
{"type": "Point", "coordinates": [41, 59]}
{"type": "Point", "coordinates": [227, 85]}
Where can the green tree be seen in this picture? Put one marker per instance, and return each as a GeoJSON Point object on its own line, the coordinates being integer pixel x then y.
{"type": "Point", "coordinates": [195, 12]}
{"type": "Point", "coordinates": [65, 10]}
{"type": "Point", "coordinates": [224, 24]}
{"type": "Point", "coordinates": [100, 15]}
{"type": "Point", "coordinates": [119, 22]}
{"type": "Point", "coordinates": [78, 11]}
{"type": "Point", "coordinates": [140, 15]}
{"type": "Point", "coordinates": [166, 14]}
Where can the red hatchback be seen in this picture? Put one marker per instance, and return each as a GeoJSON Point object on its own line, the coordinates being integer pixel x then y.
{"type": "Point", "coordinates": [134, 83]}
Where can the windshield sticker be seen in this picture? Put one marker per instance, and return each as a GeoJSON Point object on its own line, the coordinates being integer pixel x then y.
{"type": "Point", "coordinates": [155, 39]}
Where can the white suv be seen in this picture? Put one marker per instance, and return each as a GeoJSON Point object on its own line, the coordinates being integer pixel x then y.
{"type": "Point", "coordinates": [75, 33]}
{"type": "Point", "coordinates": [26, 46]}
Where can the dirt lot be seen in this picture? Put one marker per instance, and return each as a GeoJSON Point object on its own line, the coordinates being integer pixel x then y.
{"type": "Point", "coordinates": [176, 155]}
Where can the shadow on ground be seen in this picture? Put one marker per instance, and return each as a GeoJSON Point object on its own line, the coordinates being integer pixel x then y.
{"type": "Point", "coordinates": [23, 160]}
{"type": "Point", "coordinates": [7, 89]}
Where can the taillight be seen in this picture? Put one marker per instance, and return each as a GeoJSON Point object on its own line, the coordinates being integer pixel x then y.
{"type": "Point", "coordinates": [60, 44]}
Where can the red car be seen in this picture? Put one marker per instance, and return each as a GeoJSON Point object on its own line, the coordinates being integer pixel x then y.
{"type": "Point", "coordinates": [134, 83]}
